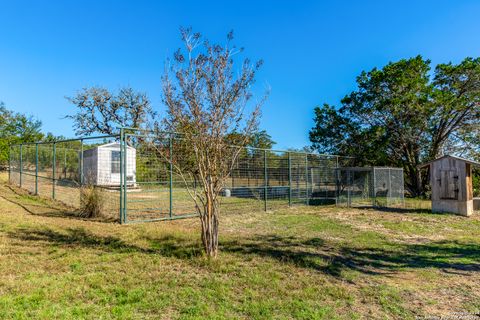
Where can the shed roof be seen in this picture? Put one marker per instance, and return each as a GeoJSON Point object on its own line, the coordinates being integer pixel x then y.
{"type": "Point", "coordinates": [473, 163]}
{"type": "Point", "coordinates": [113, 144]}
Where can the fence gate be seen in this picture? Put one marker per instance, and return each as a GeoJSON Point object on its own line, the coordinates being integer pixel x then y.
{"type": "Point", "coordinates": [148, 183]}
{"type": "Point", "coordinates": [370, 186]}
{"type": "Point", "coordinates": [388, 187]}
{"type": "Point", "coordinates": [354, 187]}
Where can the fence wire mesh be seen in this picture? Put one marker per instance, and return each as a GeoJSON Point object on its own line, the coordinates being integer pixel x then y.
{"type": "Point", "coordinates": [138, 177]}
{"type": "Point", "coordinates": [354, 186]}
{"type": "Point", "coordinates": [61, 170]}
{"type": "Point", "coordinates": [388, 187]}
{"type": "Point", "coordinates": [363, 186]}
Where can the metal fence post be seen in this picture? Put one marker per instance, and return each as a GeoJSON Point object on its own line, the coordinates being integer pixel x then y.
{"type": "Point", "coordinates": [402, 188]}
{"type": "Point", "coordinates": [10, 164]}
{"type": "Point", "coordinates": [289, 179]}
{"type": "Point", "coordinates": [306, 180]}
{"type": "Point", "coordinates": [54, 169]}
{"type": "Point", "coordinates": [36, 168]}
{"type": "Point", "coordinates": [171, 175]}
{"type": "Point", "coordinates": [349, 186]}
{"type": "Point", "coordinates": [389, 195]}
{"type": "Point", "coordinates": [374, 195]}
{"type": "Point", "coordinates": [21, 164]}
{"type": "Point", "coordinates": [81, 162]}
{"type": "Point", "coordinates": [265, 179]}
{"type": "Point", "coordinates": [120, 214]}
{"type": "Point", "coordinates": [65, 162]}
{"type": "Point", "coordinates": [125, 159]}
{"type": "Point", "coordinates": [337, 181]}
{"type": "Point", "coordinates": [123, 184]}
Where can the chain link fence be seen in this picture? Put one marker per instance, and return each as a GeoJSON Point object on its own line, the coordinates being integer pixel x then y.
{"type": "Point", "coordinates": [370, 186]}
{"type": "Point", "coordinates": [61, 170]}
{"type": "Point", "coordinates": [389, 187]}
{"type": "Point", "coordinates": [260, 179]}
{"type": "Point", "coordinates": [138, 177]}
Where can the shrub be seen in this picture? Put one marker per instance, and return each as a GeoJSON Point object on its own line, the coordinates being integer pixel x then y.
{"type": "Point", "coordinates": [91, 202]}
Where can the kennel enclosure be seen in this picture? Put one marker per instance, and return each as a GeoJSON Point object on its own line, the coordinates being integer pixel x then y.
{"type": "Point", "coordinates": [138, 184]}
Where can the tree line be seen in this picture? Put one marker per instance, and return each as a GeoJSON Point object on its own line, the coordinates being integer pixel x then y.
{"type": "Point", "coordinates": [16, 128]}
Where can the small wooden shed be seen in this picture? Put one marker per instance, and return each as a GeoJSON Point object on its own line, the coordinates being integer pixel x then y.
{"type": "Point", "coordinates": [451, 183]}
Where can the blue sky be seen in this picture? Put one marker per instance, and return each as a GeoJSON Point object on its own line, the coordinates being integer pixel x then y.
{"type": "Point", "coordinates": [313, 50]}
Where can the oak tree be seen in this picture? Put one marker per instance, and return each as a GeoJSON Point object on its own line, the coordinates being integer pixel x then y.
{"type": "Point", "coordinates": [101, 111]}
{"type": "Point", "coordinates": [401, 115]}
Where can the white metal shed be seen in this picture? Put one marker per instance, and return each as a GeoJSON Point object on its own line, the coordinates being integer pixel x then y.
{"type": "Point", "coordinates": [101, 165]}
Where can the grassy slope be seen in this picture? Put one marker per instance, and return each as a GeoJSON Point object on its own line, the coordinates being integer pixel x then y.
{"type": "Point", "coordinates": [301, 263]}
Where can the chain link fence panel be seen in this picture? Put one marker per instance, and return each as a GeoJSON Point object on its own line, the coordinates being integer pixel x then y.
{"type": "Point", "coordinates": [147, 177]}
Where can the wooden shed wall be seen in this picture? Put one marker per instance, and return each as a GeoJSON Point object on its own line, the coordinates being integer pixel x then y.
{"type": "Point", "coordinates": [451, 184]}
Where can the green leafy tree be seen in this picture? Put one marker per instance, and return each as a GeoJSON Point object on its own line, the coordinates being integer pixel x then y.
{"type": "Point", "coordinates": [260, 139]}
{"type": "Point", "coordinates": [455, 120]}
{"type": "Point", "coordinates": [16, 128]}
{"type": "Point", "coordinates": [401, 116]}
{"type": "Point", "coordinates": [50, 137]}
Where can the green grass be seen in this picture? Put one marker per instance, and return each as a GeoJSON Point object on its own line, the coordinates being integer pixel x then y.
{"type": "Point", "coordinates": [293, 263]}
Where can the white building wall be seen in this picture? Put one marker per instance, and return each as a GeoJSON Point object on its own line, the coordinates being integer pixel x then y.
{"type": "Point", "coordinates": [131, 165]}
{"type": "Point", "coordinates": [107, 170]}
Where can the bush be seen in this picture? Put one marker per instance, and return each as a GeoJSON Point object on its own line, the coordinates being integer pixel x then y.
{"type": "Point", "coordinates": [91, 202]}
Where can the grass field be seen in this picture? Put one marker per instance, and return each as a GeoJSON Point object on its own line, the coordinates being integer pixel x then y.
{"type": "Point", "coordinates": [295, 263]}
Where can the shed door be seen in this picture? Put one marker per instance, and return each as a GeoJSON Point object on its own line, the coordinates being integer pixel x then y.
{"type": "Point", "coordinates": [115, 167]}
{"type": "Point", "coordinates": [448, 184]}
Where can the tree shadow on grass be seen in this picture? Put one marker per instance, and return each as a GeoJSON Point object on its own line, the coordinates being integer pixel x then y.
{"type": "Point", "coordinates": [46, 207]}
{"type": "Point", "coordinates": [167, 245]}
{"type": "Point", "coordinates": [449, 256]}
{"type": "Point", "coordinates": [401, 210]}
{"type": "Point", "coordinates": [313, 253]}
{"type": "Point", "coordinates": [75, 237]}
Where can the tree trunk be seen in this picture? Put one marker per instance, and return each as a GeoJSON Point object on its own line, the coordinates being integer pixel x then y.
{"type": "Point", "coordinates": [418, 183]}
{"type": "Point", "coordinates": [209, 220]}
{"type": "Point", "coordinates": [414, 182]}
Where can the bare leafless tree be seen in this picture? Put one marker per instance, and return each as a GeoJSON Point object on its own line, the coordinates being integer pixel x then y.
{"type": "Point", "coordinates": [100, 111]}
{"type": "Point", "coordinates": [207, 99]}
